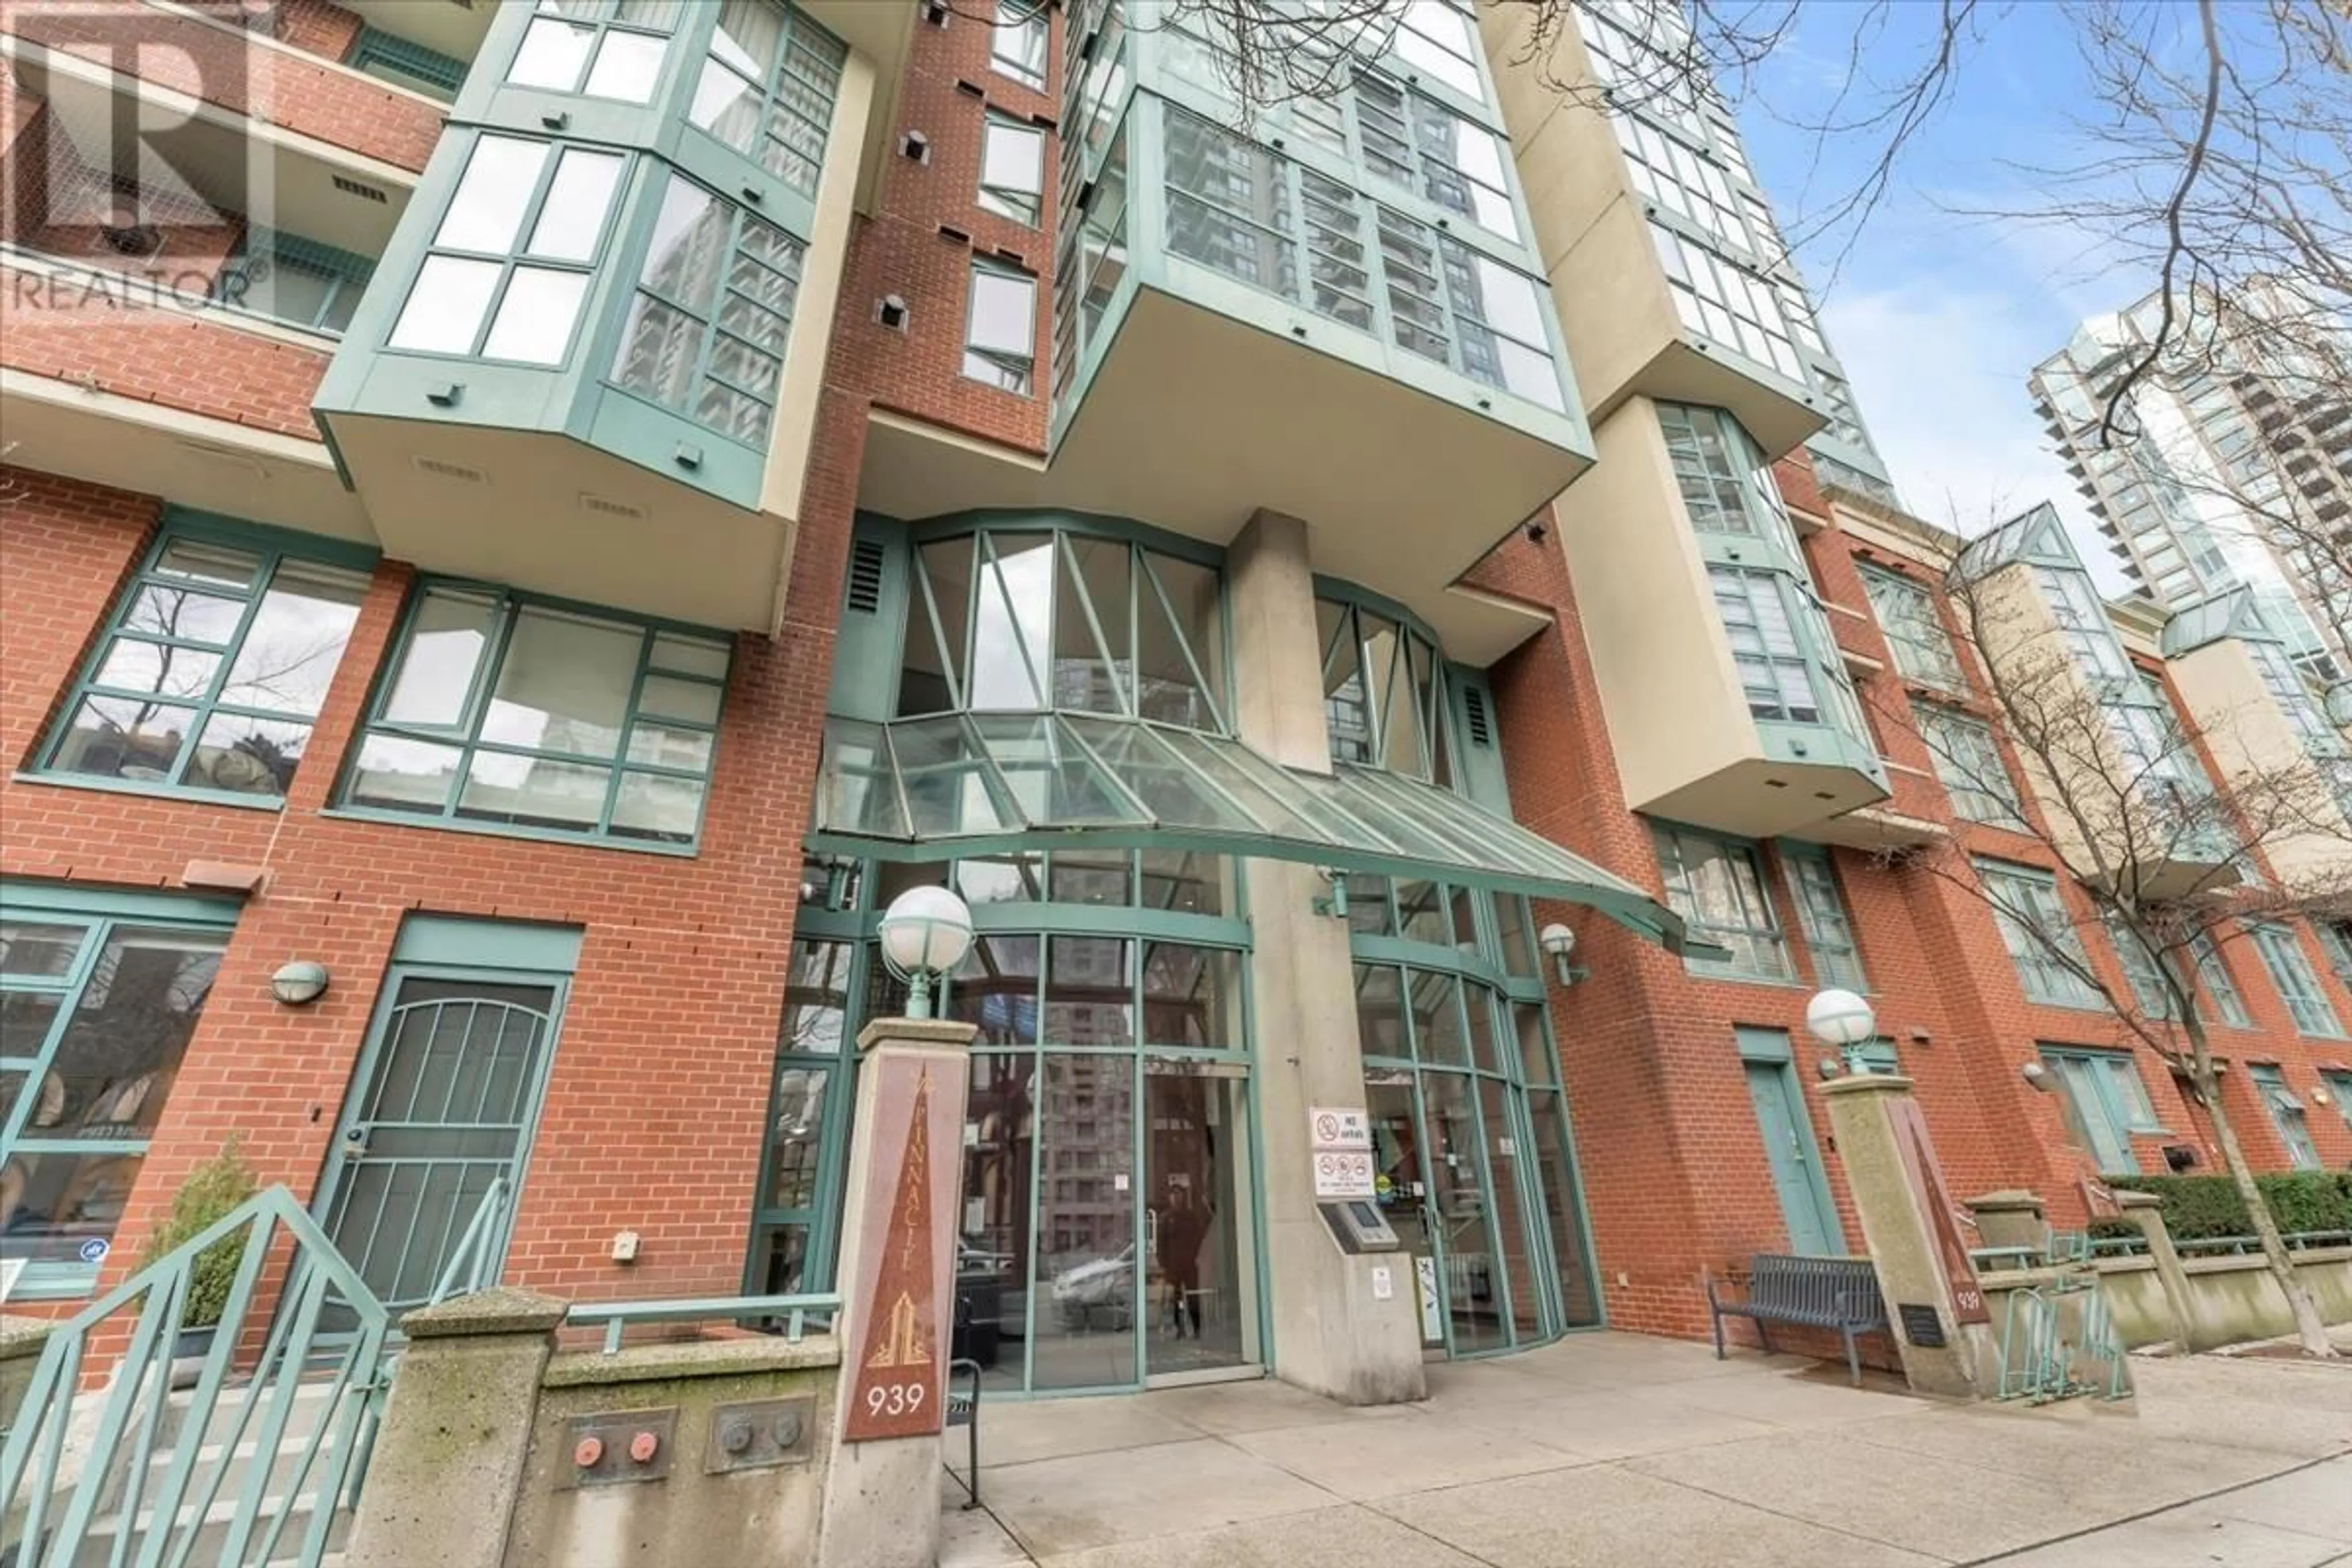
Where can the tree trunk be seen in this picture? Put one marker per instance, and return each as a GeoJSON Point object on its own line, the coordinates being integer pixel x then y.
{"type": "Point", "coordinates": [2309, 1327]}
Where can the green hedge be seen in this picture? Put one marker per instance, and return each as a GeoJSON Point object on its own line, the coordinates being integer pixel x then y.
{"type": "Point", "coordinates": [2200, 1209]}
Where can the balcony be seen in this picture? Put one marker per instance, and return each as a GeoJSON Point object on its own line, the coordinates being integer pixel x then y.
{"type": "Point", "coordinates": [1312, 318]}
{"type": "Point", "coordinates": [579, 345]}
{"type": "Point", "coordinates": [1727, 702]}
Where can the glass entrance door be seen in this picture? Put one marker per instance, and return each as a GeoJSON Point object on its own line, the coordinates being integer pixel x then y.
{"type": "Point", "coordinates": [1200, 1292]}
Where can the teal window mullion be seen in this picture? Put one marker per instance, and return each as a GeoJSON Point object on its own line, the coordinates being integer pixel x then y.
{"type": "Point", "coordinates": [628, 728]}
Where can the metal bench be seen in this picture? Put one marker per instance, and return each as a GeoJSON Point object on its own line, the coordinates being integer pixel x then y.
{"type": "Point", "coordinates": [1839, 1293]}
{"type": "Point", "coordinates": [963, 1410]}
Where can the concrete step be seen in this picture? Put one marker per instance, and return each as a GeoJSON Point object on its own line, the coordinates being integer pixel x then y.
{"type": "Point", "coordinates": [211, 1536]}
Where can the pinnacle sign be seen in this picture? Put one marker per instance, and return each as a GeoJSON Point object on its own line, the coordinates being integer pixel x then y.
{"type": "Point", "coordinates": [898, 1383]}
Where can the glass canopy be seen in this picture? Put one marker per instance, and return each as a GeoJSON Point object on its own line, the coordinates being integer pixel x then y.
{"type": "Point", "coordinates": [961, 785]}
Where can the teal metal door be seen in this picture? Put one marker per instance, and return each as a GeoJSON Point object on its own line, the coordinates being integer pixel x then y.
{"type": "Point", "coordinates": [443, 1104]}
{"type": "Point", "coordinates": [1796, 1164]}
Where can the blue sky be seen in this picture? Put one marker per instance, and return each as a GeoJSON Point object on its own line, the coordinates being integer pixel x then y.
{"type": "Point", "coordinates": [1939, 316]}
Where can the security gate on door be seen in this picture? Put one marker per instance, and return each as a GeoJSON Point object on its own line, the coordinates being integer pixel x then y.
{"type": "Point", "coordinates": [443, 1106]}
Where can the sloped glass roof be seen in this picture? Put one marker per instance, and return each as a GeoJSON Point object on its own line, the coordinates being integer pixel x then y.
{"type": "Point", "coordinates": [991, 784]}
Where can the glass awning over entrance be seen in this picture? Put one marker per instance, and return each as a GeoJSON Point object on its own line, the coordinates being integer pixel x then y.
{"type": "Point", "coordinates": [994, 784]}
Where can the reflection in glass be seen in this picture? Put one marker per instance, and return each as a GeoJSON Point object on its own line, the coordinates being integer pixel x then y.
{"type": "Point", "coordinates": [1200, 1314]}
{"type": "Point", "coordinates": [1085, 1283]}
{"type": "Point", "coordinates": [794, 1138]}
{"type": "Point", "coordinates": [816, 999]}
{"type": "Point", "coordinates": [994, 1249]}
{"type": "Point", "coordinates": [1089, 991]}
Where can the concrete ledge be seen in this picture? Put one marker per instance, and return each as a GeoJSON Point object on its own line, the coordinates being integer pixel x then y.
{"type": "Point", "coordinates": [691, 1358]}
{"type": "Point", "coordinates": [22, 1337]}
{"type": "Point", "coordinates": [503, 1310]}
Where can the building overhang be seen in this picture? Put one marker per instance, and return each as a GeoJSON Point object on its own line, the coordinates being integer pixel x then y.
{"type": "Point", "coordinates": [1879, 829]}
{"type": "Point", "coordinates": [997, 784]}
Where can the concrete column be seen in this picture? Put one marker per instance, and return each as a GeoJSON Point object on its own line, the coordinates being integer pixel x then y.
{"type": "Point", "coordinates": [1909, 1223]}
{"type": "Point", "coordinates": [1332, 1332]}
{"type": "Point", "coordinates": [897, 1272]}
{"type": "Point", "coordinates": [2146, 1210]}
{"type": "Point", "coordinates": [448, 1464]}
{"type": "Point", "coordinates": [21, 1340]}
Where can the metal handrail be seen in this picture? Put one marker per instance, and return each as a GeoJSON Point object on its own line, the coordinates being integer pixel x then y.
{"type": "Point", "coordinates": [796, 1310]}
{"type": "Point", "coordinates": [474, 1265]}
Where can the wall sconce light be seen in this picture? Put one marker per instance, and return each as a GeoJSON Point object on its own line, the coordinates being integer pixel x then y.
{"type": "Point", "coordinates": [2037, 1077]}
{"type": "Point", "coordinates": [2319, 1095]}
{"type": "Point", "coordinates": [1560, 942]}
{"type": "Point", "coordinates": [1334, 902]}
{"type": "Point", "coordinates": [299, 983]}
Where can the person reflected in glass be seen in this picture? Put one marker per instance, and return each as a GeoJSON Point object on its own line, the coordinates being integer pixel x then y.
{"type": "Point", "coordinates": [1183, 1227]}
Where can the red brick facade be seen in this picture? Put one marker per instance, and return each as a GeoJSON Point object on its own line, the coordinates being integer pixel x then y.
{"type": "Point", "coordinates": [654, 1116]}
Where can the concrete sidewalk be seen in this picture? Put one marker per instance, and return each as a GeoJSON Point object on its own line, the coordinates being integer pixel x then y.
{"type": "Point", "coordinates": [1613, 1449]}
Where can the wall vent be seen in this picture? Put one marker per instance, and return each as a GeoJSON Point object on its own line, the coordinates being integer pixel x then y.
{"type": "Point", "coordinates": [458, 471]}
{"type": "Point", "coordinates": [865, 560]}
{"type": "Point", "coordinates": [355, 188]}
{"type": "Point", "coordinates": [1473, 710]}
{"type": "Point", "coordinates": [604, 508]}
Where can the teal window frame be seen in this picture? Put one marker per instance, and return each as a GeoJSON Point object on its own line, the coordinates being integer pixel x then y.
{"type": "Point", "coordinates": [819, 1218]}
{"type": "Point", "coordinates": [272, 548]}
{"type": "Point", "coordinates": [1965, 755]}
{"type": "Point", "coordinates": [992, 364]}
{"type": "Point", "coordinates": [97, 915]}
{"type": "Point", "coordinates": [2335, 942]}
{"type": "Point", "coordinates": [1393, 122]}
{"type": "Point", "coordinates": [347, 275]}
{"type": "Point", "coordinates": [602, 19]}
{"type": "Point", "coordinates": [1682, 853]}
{"type": "Point", "coordinates": [1727, 486]}
{"type": "Point", "coordinates": [2220, 989]}
{"type": "Point", "coordinates": [1022, 19]}
{"type": "Point", "coordinates": [2141, 969]}
{"type": "Point", "coordinates": [2031, 915]}
{"type": "Point", "coordinates": [464, 734]}
{"type": "Point", "coordinates": [786, 255]}
{"type": "Point", "coordinates": [405, 64]}
{"type": "Point", "coordinates": [1022, 206]}
{"type": "Point", "coordinates": [519, 258]}
{"type": "Point", "coordinates": [1877, 1056]}
{"type": "Point", "coordinates": [2338, 1081]}
{"type": "Point", "coordinates": [1781, 627]}
{"type": "Point", "coordinates": [1916, 633]}
{"type": "Point", "coordinates": [799, 88]}
{"type": "Point", "coordinates": [2285, 1109]}
{"type": "Point", "coordinates": [2297, 982]}
{"type": "Point", "coordinates": [2105, 1085]}
{"type": "Point", "coordinates": [1822, 914]}
{"type": "Point", "coordinates": [1360, 705]}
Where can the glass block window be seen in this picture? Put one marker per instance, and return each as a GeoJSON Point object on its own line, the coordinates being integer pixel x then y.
{"type": "Point", "coordinates": [1726, 305]}
{"type": "Point", "coordinates": [2298, 984]}
{"type": "Point", "coordinates": [1019, 40]}
{"type": "Point", "coordinates": [602, 48]}
{"type": "Point", "coordinates": [1457, 306]}
{"type": "Point", "coordinates": [2040, 933]}
{"type": "Point", "coordinates": [1915, 631]}
{"type": "Point", "coordinates": [999, 343]}
{"type": "Point", "coordinates": [706, 331]}
{"type": "Point", "coordinates": [514, 253]}
{"type": "Point", "coordinates": [1237, 207]}
{"type": "Point", "coordinates": [768, 86]}
{"type": "Point", "coordinates": [1967, 763]}
{"type": "Point", "coordinates": [1440, 40]}
{"type": "Point", "coordinates": [212, 670]}
{"type": "Point", "coordinates": [2284, 1108]}
{"type": "Point", "coordinates": [96, 1012]}
{"type": "Point", "coordinates": [1419, 143]}
{"type": "Point", "coordinates": [1012, 169]}
{"type": "Point", "coordinates": [1727, 486]}
{"type": "Point", "coordinates": [1821, 910]}
{"type": "Point", "coordinates": [506, 711]}
{"type": "Point", "coordinates": [2105, 1102]}
{"type": "Point", "coordinates": [1717, 887]}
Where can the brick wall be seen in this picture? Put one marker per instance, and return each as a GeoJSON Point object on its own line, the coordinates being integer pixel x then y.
{"type": "Point", "coordinates": [222, 66]}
